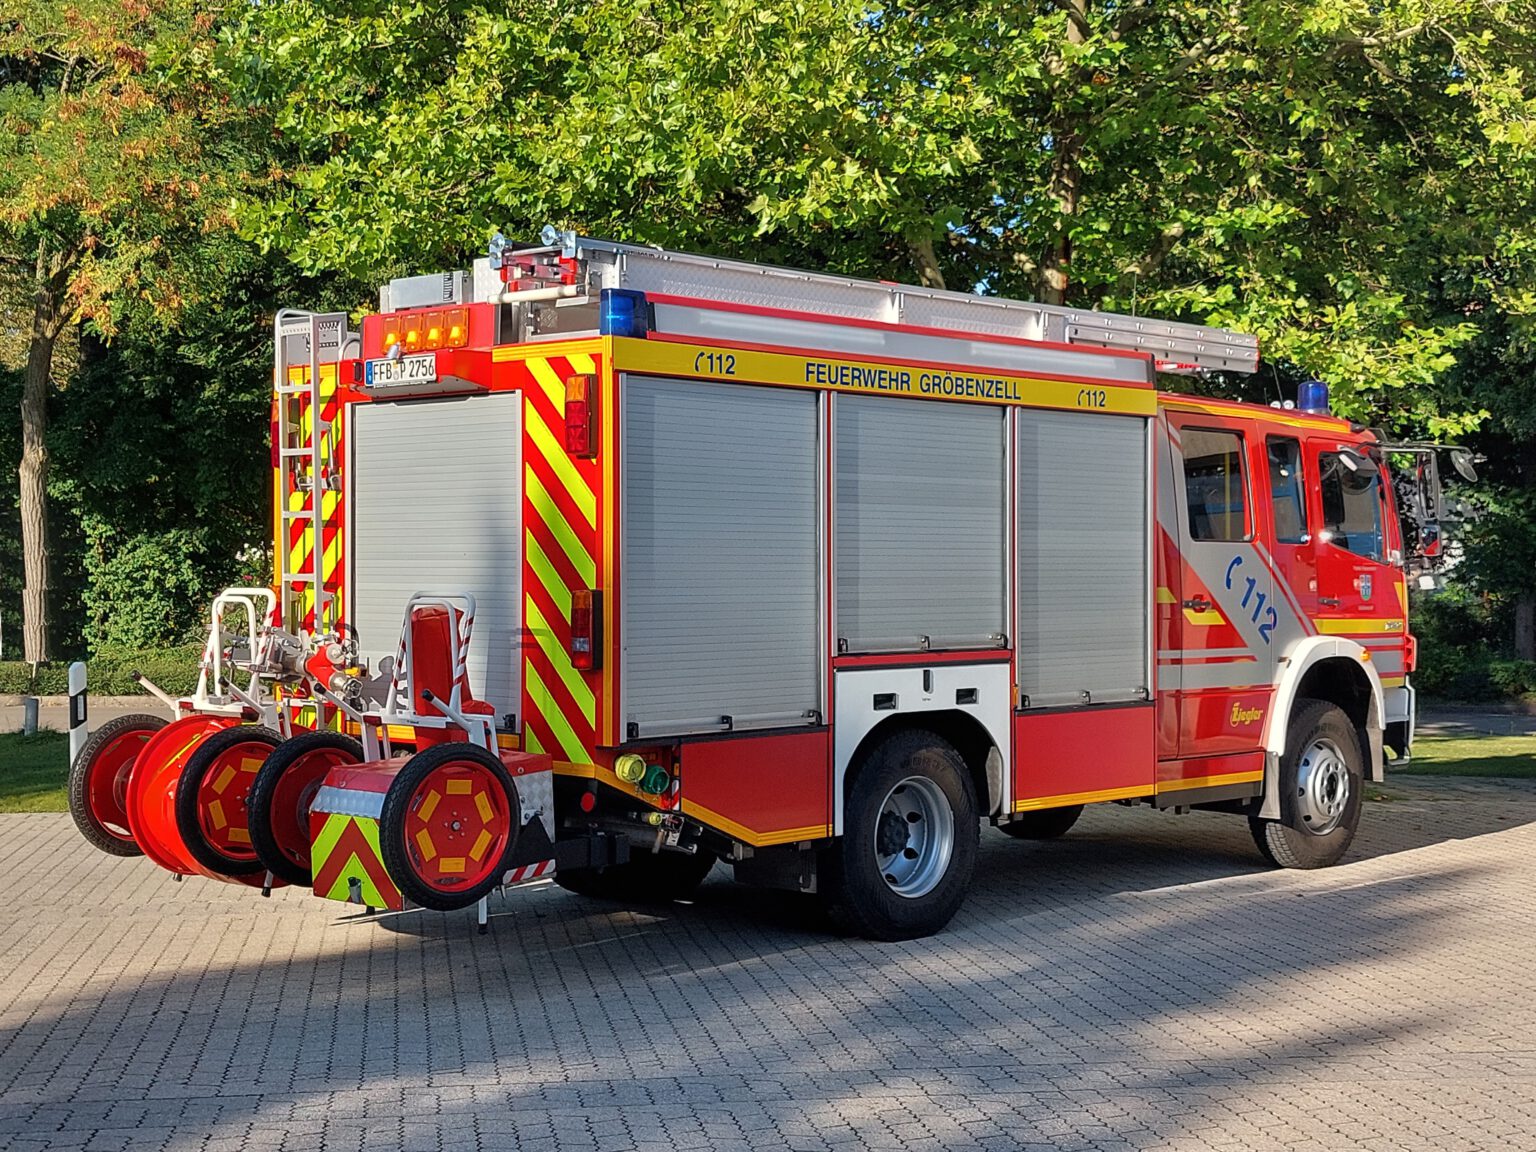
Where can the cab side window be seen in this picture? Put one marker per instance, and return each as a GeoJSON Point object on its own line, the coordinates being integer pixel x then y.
{"type": "Point", "coordinates": [1351, 507]}
{"type": "Point", "coordinates": [1215, 490]}
{"type": "Point", "coordinates": [1286, 492]}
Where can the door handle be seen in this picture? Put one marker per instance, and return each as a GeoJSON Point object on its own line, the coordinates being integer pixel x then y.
{"type": "Point", "coordinates": [1198, 604]}
{"type": "Point", "coordinates": [1329, 601]}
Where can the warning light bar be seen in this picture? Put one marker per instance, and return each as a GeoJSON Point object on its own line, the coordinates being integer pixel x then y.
{"type": "Point", "coordinates": [427, 330]}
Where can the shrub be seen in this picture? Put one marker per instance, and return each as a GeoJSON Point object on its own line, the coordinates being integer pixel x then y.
{"type": "Point", "coordinates": [108, 673]}
{"type": "Point", "coordinates": [1513, 677]}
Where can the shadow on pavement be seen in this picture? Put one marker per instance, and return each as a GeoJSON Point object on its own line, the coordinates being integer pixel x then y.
{"type": "Point", "coordinates": [1144, 953]}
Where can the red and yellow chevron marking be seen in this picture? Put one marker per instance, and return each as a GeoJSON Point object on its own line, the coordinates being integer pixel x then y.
{"type": "Point", "coordinates": [346, 849]}
{"type": "Point", "coordinates": [296, 543]}
{"type": "Point", "coordinates": [561, 552]}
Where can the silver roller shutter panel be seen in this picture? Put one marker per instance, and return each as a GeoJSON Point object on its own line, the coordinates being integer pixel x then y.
{"type": "Point", "coordinates": [920, 519]}
{"type": "Point", "coordinates": [1082, 567]}
{"type": "Point", "coordinates": [436, 506]}
{"type": "Point", "coordinates": [719, 556]}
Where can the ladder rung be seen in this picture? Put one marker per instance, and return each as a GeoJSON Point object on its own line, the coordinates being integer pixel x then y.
{"type": "Point", "coordinates": [291, 453]}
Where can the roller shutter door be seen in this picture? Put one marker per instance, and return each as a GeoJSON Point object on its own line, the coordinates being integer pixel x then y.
{"type": "Point", "coordinates": [1082, 565]}
{"type": "Point", "coordinates": [920, 519]}
{"type": "Point", "coordinates": [436, 497]}
{"type": "Point", "coordinates": [719, 557]}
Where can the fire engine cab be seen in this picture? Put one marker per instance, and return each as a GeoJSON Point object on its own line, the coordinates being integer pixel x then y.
{"type": "Point", "coordinates": [812, 576]}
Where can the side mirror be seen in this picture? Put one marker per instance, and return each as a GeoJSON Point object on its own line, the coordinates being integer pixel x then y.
{"type": "Point", "coordinates": [1358, 463]}
{"type": "Point", "coordinates": [1463, 460]}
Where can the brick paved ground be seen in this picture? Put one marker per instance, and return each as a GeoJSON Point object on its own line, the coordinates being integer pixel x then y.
{"type": "Point", "coordinates": [1142, 984]}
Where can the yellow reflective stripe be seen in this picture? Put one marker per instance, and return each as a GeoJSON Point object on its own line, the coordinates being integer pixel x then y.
{"type": "Point", "coordinates": [549, 579]}
{"type": "Point", "coordinates": [1210, 781]}
{"type": "Point", "coordinates": [574, 549]}
{"type": "Point", "coordinates": [544, 703]}
{"type": "Point", "coordinates": [1355, 625]}
{"type": "Point", "coordinates": [1164, 596]}
{"type": "Point", "coordinates": [549, 380]}
{"type": "Point", "coordinates": [583, 363]}
{"type": "Point", "coordinates": [561, 662]}
{"type": "Point", "coordinates": [554, 455]}
{"type": "Point", "coordinates": [1034, 803]}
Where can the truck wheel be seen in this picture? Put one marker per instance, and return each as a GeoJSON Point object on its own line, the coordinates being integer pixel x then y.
{"type": "Point", "coordinates": [1046, 824]}
{"type": "Point", "coordinates": [285, 787]}
{"type": "Point", "coordinates": [98, 782]}
{"type": "Point", "coordinates": [908, 850]}
{"type": "Point", "coordinates": [1322, 779]}
{"type": "Point", "coordinates": [647, 878]}
{"type": "Point", "coordinates": [449, 822]}
{"type": "Point", "coordinates": [213, 796]}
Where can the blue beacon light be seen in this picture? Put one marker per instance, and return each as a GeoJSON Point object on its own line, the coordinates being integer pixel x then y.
{"type": "Point", "coordinates": [1312, 396]}
{"type": "Point", "coordinates": [622, 312]}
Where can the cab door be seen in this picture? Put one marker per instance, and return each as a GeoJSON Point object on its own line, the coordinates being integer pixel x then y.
{"type": "Point", "coordinates": [1220, 655]}
{"type": "Point", "coordinates": [1291, 535]}
{"type": "Point", "coordinates": [1359, 591]}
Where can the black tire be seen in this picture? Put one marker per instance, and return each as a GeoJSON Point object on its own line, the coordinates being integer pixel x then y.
{"type": "Point", "coordinates": [647, 878]}
{"type": "Point", "coordinates": [392, 836]}
{"type": "Point", "coordinates": [1308, 790]}
{"type": "Point", "coordinates": [856, 891]}
{"type": "Point", "coordinates": [190, 783]}
{"type": "Point", "coordinates": [259, 814]}
{"type": "Point", "coordinates": [1046, 824]}
{"type": "Point", "coordinates": [109, 737]}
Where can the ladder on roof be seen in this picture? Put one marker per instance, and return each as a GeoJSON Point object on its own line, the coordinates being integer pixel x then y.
{"type": "Point", "coordinates": [309, 347]}
{"type": "Point", "coordinates": [1175, 346]}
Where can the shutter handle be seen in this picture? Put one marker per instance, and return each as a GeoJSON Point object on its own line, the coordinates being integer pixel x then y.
{"type": "Point", "coordinates": [1197, 604]}
{"type": "Point", "coordinates": [1329, 601]}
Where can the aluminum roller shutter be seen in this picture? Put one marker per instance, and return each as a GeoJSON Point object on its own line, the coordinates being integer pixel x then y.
{"type": "Point", "coordinates": [719, 557]}
{"type": "Point", "coordinates": [920, 521]}
{"type": "Point", "coordinates": [436, 506]}
{"type": "Point", "coordinates": [1082, 567]}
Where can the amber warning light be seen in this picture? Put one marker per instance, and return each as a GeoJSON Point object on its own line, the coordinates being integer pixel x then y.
{"type": "Point", "coordinates": [425, 331]}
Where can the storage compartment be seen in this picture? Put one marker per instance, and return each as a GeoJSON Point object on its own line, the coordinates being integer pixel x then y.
{"type": "Point", "coordinates": [719, 616]}
{"type": "Point", "coordinates": [1083, 585]}
{"type": "Point", "coordinates": [920, 518]}
{"type": "Point", "coordinates": [436, 506]}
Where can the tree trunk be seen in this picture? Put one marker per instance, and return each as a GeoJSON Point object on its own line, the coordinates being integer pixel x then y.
{"type": "Point", "coordinates": [1065, 189]}
{"type": "Point", "coordinates": [1525, 627]}
{"type": "Point", "coordinates": [925, 258]}
{"type": "Point", "coordinates": [47, 320]}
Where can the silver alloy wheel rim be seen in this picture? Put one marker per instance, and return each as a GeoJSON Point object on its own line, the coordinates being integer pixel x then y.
{"type": "Point", "coordinates": [1322, 787]}
{"type": "Point", "coordinates": [914, 837]}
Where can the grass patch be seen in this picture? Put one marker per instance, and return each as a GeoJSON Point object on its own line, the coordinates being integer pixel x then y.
{"type": "Point", "coordinates": [34, 772]}
{"type": "Point", "coordinates": [1507, 756]}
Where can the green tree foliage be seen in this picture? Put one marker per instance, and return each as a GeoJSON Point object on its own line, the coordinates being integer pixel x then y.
{"type": "Point", "coordinates": [113, 170]}
{"type": "Point", "coordinates": [1303, 170]}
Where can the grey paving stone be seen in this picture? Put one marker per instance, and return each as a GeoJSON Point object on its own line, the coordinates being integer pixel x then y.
{"type": "Point", "coordinates": [1142, 983]}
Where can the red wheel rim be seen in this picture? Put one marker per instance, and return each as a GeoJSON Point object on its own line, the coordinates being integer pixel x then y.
{"type": "Point", "coordinates": [151, 805]}
{"type": "Point", "coordinates": [106, 782]}
{"type": "Point", "coordinates": [293, 795]}
{"type": "Point", "coordinates": [457, 826]}
{"type": "Point", "coordinates": [222, 796]}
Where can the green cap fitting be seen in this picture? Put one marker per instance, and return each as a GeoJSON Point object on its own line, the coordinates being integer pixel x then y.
{"type": "Point", "coordinates": [656, 780]}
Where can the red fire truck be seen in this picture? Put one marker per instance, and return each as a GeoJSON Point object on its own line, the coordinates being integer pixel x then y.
{"type": "Point", "coordinates": [802, 573]}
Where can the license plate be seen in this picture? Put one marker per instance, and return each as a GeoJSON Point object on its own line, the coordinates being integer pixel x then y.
{"type": "Point", "coordinates": [405, 370]}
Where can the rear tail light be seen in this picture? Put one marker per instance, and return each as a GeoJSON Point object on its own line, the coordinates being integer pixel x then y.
{"type": "Point", "coordinates": [580, 433]}
{"type": "Point", "coordinates": [1410, 653]}
{"type": "Point", "coordinates": [586, 629]}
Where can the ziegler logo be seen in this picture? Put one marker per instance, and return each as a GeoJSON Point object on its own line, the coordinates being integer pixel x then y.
{"type": "Point", "coordinates": [1242, 716]}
